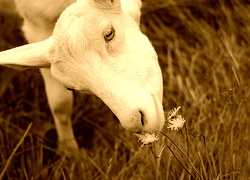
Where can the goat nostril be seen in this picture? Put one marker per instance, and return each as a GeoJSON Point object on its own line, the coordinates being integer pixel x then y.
{"type": "Point", "coordinates": [142, 118]}
{"type": "Point", "coordinates": [70, 89]}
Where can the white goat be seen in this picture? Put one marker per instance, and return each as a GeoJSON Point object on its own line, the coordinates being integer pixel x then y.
{"type": "Point", "coordinates": [92, 46]}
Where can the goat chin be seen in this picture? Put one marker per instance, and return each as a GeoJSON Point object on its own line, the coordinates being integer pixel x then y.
{"type": "Point", "coordinates": [95, 46]}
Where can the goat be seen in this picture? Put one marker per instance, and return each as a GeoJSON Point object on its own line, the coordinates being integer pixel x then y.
{"type": "Point", "coordinates": [91, 46]}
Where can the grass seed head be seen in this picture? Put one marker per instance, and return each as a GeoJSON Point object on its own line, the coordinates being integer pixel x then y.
{"type": "Point", "coordinates": [176, 121]}
{"type": "Point", "coordinates": [147, 138]}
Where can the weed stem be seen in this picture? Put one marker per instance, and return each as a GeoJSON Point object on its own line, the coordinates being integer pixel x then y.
{"type": "Point", "coordinates": [182, 153]}
{"type": "Point", "coordinates": [14, 151]}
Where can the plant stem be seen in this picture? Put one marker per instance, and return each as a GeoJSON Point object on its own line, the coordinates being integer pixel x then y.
{"type": "Point", "coordinates": [14, 151]}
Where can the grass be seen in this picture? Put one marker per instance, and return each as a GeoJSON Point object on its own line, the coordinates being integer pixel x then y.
{"type": "Point", "coordinates": [203, 48]}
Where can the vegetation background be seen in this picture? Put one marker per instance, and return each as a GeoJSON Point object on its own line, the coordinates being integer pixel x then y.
{"type": "Point", "coordinates": [204, 52]}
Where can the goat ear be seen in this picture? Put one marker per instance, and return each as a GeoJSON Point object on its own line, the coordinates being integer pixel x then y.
{"type": "Point", "coordinates": [35, 55]}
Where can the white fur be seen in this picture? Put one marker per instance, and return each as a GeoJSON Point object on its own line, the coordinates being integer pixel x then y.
{"type": "Point", "coordinates": [123, 72]}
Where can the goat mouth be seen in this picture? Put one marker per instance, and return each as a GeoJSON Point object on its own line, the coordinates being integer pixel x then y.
{"type": "Point", "coordinates": [146, 133]}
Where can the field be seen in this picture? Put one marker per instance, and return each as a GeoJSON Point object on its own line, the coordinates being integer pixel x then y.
{"type": "Point", "coordinates": [204, 52]}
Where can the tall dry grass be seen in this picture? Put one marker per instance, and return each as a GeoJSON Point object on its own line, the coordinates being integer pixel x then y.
{"type": "Point", "coordinates": [203, 49]}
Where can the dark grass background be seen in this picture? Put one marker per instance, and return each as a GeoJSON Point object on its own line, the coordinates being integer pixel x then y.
{"type": "Point", "coordinates": [203, 49]}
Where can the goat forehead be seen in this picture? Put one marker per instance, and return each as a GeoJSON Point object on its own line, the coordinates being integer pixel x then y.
{"type": "Point", "coordinates": [89, 7]}
{"type": "Point", "coordinates": [86, 14]}
{"type": "Point", "coordinates": [89, 29]}
{"type": "Point", "coordinates": [89, 18]}
{"type": "Point", "coordinates": [92, 26]}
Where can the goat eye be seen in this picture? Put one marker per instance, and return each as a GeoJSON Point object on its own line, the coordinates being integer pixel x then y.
{"type": "Point", "coordinates": [109, 35]}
